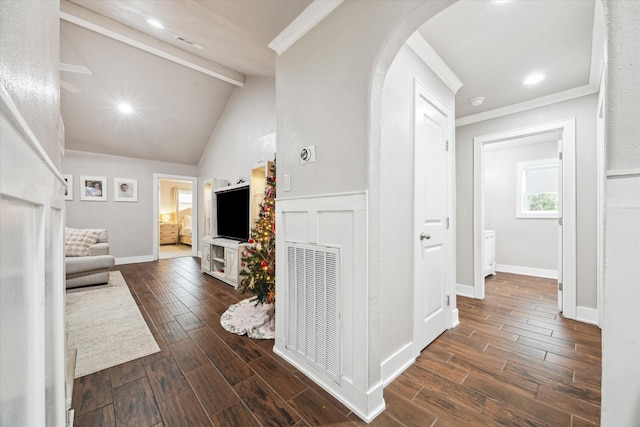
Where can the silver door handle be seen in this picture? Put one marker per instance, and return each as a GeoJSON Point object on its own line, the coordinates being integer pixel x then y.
{"type": "Point", "coordinates": [424, 236]}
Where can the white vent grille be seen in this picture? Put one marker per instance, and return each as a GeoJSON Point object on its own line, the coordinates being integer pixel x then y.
{"type": "Point", "coordinates": [313, 315]}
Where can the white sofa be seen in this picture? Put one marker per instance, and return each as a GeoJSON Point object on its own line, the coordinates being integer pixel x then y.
{"type": "Point", "coordinates": [91, 269]}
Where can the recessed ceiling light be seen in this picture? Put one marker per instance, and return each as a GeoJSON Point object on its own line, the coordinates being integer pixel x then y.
{"type": "Point", "coordinates": [534, 78]}
{"type": "Point", "coordinates": [155, 23]}
{"type": "Point", "coordinates": [125, 108]}
{"type": "Point", "coordinates": [477, 101]}
{"type": "Point", "coordinates": [500, 1]}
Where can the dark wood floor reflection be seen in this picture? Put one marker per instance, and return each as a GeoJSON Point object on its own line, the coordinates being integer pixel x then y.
{"type": "Point", "coordinates": [513, 360]}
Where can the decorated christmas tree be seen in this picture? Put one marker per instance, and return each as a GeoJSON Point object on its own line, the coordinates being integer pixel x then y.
{"type": "Point", "coordinates": [260, 256]}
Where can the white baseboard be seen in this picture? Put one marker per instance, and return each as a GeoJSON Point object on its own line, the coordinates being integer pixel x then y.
{"type": "Point", "coordinates": [366, 405]}
{"type": "Point", "coordinates": [465, 291]}
{"type": "Point", "coordinates": [455, 318]}
{"type": "Point", "coordinates": [588, 315]}
{"type": "Point", "coordinates": [527, 271]}
{"type": "Point", "coordinates": [134, 259]}
{"type": "Point", "coordinates": [394, 365]}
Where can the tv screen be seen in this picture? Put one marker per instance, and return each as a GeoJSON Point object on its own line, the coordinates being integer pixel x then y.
{"type": "Point", "coordinates": [232, 213]}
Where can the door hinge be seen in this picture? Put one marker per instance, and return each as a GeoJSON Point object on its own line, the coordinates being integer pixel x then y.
{"type": "Point", "coordinates": [559, 286]}
{"type": "Point", "coordinates": [448, 300]}
{"type": "Point", "coordinates": [560, 155]}
{"type": "Point", "coordinates": [446, 145]}
{"type": "Point", "coordinates": [560, 221]}
{"type": "Point", "coordinates": [446, 223]}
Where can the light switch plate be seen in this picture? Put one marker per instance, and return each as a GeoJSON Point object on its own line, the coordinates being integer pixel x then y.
{"type": "Point", "coordinates": [286, 182]}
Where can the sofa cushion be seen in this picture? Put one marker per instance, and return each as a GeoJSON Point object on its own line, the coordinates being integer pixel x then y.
{"type": "Point", "coordinates": [85, 264]}
{"type": "Point", "coordinates": [77, 241]}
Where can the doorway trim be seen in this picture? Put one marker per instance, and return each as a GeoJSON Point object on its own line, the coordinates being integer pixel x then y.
{"type": "Point", "coordinates": [156, 211]}
{"type": "Point", "coordinates": [568, 279]}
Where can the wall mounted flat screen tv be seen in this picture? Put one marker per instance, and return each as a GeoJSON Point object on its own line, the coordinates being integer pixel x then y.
{"type": "Point", "coordinates": [232, 213]}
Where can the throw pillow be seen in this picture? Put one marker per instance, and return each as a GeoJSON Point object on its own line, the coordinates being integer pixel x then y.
{"type": "Point", "coordinates": [77, 241]}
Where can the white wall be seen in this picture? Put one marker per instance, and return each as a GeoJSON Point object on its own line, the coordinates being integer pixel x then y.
{"type": "Point", "coordinates": [520, 242]}
{"type": "Point", "coordinates": [28, 53]}
{"type": "Point", "coordinates": [129, 224]}
{"type": "Point", "coordinates": [329, 86]}
{"type": "Point", "coordinates": [32, 327]}
{"type": "Point", "coordinates": [397, 241]}
{"type": "Point", "coordinates": [584, 110]}
{"type": "Point", "coordinates": [620, 337]}
{"type": "Point", "coordinates": [245, 135]}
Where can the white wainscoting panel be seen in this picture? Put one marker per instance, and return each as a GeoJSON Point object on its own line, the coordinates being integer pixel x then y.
{"type": "Point", "coordinates": [338, 221]}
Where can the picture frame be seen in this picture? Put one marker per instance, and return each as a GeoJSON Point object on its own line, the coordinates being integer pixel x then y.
{"type": "Point", "coordinates": [93, 188]}
{"type": "Point", "coordinates": [125, 190]}
{"type": "Point", "coordinates": [68, 191]}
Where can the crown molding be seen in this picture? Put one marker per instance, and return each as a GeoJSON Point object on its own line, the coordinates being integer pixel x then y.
{"type": "Point", "coordinates": [428, 55]}
{"type": "Point", "coordinates": [307, 20]}
{"type": "Point", "coordinates": [107, 27]}
{"type": "Point", "coordinates": [554, 98]}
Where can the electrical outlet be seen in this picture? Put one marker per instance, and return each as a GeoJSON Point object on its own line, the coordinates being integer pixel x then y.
{"type": "Point", "coordinates": [308, 154]}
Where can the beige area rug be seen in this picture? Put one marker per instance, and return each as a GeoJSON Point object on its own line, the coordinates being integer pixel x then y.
{"type": "Point", "coordinates": [106, 326]}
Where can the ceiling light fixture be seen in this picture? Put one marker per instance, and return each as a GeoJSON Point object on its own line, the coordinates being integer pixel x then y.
{"type": "Point", "coordinates": [125, 108]}
{"type": "Point", "coordinates": [477, 101]}
{"type": "Point", "coordinates": [535, 78]}
{"type": "Point", "coordinates": [155, 23]}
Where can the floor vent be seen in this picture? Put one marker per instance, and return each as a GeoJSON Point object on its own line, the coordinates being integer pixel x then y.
{"type": "Point", "coordinates": [313, 330]}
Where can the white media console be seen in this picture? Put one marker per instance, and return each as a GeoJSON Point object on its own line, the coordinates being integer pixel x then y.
{"type": "Point", "coordinates": [222, 259]}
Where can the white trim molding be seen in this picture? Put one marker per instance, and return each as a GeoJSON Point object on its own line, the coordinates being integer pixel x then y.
{"type": "Point", "coordinates": [527, 271]}
{"type": "Point", "coordinates": [305, 22]}
{"type": "Point", "coordinates": [464, 290]}
{"type": "Point", "coordinates": [428, 55]}
{"type": "Point", "coordinates": [133, 259]}
{"type": "Point", "coordinates": [397, 363]}
{"type": "Point", "coordinates": [554, 98]}
{"type": "Point", "coordinates": [588, 315]}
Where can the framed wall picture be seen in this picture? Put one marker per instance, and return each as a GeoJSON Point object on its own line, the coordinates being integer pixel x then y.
{"type": "Point", "coordinates": [93, 188]}
{"type": "Point", "coordinates": [125, 190]}
{"type": "Point", "coordinates": [68, 191]}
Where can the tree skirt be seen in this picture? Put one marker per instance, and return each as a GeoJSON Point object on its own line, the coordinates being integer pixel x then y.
{"type": "Point", "coordinates": [247, 318]}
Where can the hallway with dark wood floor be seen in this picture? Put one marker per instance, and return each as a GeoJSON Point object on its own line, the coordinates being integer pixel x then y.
{"type": "Point", "coordinates": [513, 360]}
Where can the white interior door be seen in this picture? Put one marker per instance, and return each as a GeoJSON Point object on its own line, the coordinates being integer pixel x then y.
{"type": "Point", "coordinates": [431, 259]}
{"type": "Point", "coordinates": [560, 221]}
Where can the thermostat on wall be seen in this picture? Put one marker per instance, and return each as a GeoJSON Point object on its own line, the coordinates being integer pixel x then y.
{"type": "Point", "coordinates": [308, 154]}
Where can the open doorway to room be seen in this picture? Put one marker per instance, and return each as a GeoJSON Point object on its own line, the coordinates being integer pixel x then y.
{"type": "Point", "coordinates": [176, 216]}
{"type": "Point", "coordinates": [524, 192]}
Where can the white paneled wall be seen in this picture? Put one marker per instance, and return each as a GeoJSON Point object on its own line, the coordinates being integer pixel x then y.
{"type": "Point", "coordinates": [32, 334]}
{"type": "Point", "coordinates": [337, 222]}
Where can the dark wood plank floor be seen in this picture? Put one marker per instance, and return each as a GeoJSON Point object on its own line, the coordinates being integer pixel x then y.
{"type": "Point", "coordinates": [512, 361]}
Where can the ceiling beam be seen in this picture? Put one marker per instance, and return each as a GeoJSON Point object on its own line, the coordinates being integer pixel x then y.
{"type": "Point", "coordinates": [309, 18]}
{"type": "Point", "coordinates": [107, 27]}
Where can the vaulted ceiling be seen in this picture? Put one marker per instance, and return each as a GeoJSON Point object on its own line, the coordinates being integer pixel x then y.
{"type": "Point", "coordinates": [179, 79]}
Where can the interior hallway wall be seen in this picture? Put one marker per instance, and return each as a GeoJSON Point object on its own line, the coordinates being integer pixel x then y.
{"type": "Point", "coordinates": [396, 176]}
{"type": "Point", "coordinates": [520, 242]}
{"type": "Point", "coordinates": [244, 136]}
{"type": "Point", "coordinates": [584, 110]}
{"type": "Point", "coordinates": [129, 224]}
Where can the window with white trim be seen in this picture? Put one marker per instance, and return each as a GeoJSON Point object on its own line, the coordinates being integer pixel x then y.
{"type": "Point", "coordinates": [537, 189]}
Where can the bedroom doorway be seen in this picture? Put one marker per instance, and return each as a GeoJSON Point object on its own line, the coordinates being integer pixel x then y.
{"type": "Point", "coordinates": [563, 132]}
{"type": "Point", "coordinates": [175, 216]}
